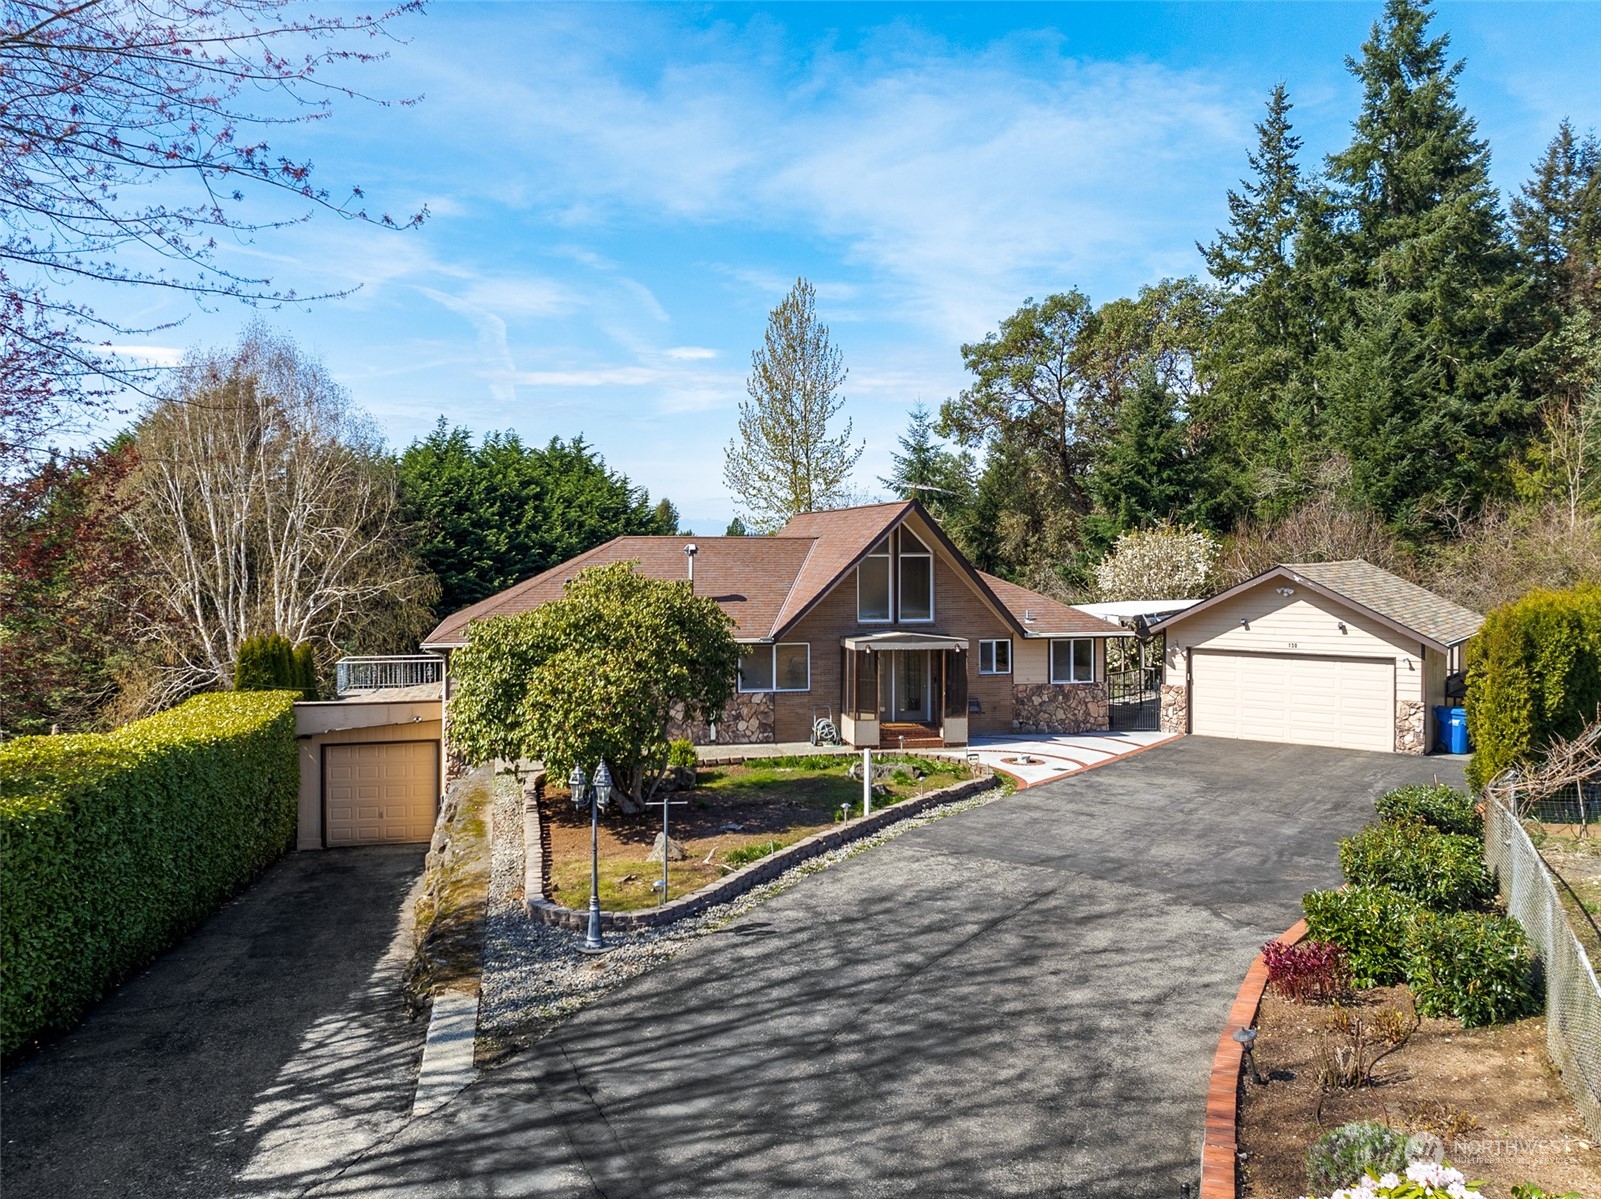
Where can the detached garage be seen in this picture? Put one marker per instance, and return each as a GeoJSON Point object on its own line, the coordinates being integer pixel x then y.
{"type": "Point", "coordinates": [1342, 654]}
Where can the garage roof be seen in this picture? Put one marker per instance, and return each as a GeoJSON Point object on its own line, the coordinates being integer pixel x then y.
{"type": "Point", "coordinates": [1359, 584]}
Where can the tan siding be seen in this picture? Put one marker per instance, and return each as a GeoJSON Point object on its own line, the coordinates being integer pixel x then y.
{"type": "Point", "coordinates": [1434, 672]}
{"type": "Point", "coordinates": [1304, 623]}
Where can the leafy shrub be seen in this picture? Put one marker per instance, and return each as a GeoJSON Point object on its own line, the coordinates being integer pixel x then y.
{"type": "Point", "coordinates": [1442, 871]}
{"type": "Point", "coordinates": [273, 663]}
{"type": "Point", "coordinates": [113, 845]}
{"type": "Point", "coordinates": [1369, 923]}
{"type": "Point", "coordinates": [681, 752]}
{"type": "Point", "coordinates": [1440, 807]}
{"type": "Point", "coordinates": [1534, 675]}
{"type": "Point", "coordinates": [1343, 1155]}
{"type": "Point", "coordinates": [1310, 972]}
{"type": "Point", "coordinates": [1475, 966]}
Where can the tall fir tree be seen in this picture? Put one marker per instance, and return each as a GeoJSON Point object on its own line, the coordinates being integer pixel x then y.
{"type": "Point", "coordinates": [1428, 387]}
{"type": "Point", "coordinates": [1142, 475]}
{"type": "Point", "coordinates": [1556, 219]}
{"type": "Point", "coordinates": [1262, 411]}
{"type": "Point", "coordinates": [926, 471]}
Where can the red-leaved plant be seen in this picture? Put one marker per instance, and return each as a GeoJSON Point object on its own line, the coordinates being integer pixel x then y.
{"type": "Point", "coordinates": [1310, 972]}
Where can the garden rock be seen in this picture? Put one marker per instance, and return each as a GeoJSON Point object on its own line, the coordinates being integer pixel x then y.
{"type": "Point", "coordinates": [675, 851]}
{"type": "Point", "coordinates": [677, 778]}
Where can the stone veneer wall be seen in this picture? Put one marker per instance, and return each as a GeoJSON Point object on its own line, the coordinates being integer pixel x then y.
{"type": "Point", "coordinates": [1059, 707]}
{"type": "Point", "coordinates": [747, 720]}
{"type": "Point", "coordinates": [1410, 726]}
{"type": "Point", "coordinates": [1175, 708]}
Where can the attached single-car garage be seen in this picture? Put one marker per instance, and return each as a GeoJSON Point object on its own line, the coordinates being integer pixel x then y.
{"type": "Point", "coordinates": [1341, 654]}
{"type": "Point", "coordinates": [370, 771]}
{"type": "Point", "coordinates": [379, 793]}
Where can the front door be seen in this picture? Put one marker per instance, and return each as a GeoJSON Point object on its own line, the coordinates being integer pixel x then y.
{"type": "Point", "coordinates": [904, 687]}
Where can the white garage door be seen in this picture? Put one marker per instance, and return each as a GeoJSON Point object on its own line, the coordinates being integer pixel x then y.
{"type": "Point", "coordinates": [1344, 702]}
{"type": "Point", "coordinates": [382, 793]}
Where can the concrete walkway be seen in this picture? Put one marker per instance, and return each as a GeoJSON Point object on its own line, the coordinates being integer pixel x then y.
{"type": "Point", "coordinates": [1021, 1000]}
{"type": "Point", "coordinates": [1044, 757]}
{"type": "Point", "coordinates": [256, 1058]}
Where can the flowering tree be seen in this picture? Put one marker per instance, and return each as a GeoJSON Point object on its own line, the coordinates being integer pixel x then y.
{"type": "Point", "coordinates": [1160, 563]}
{"type": "Point", "coordinates": [133, 131]}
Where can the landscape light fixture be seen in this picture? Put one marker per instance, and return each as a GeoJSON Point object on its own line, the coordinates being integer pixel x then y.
{"type": "Point", "coordinates": [599, 795]}
{"type": "Point", "coordinates": [1247, 1039]}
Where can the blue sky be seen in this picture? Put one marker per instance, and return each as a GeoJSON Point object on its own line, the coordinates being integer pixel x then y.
{"type": "Point", "coordinates": [620, 194]}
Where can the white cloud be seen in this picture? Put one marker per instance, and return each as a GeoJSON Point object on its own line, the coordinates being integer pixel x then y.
{"type": "Point", "coordinates": [690, 353]}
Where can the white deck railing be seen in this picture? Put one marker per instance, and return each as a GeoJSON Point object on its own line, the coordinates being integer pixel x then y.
{"type": "Point", "coordinates": [372, 674]}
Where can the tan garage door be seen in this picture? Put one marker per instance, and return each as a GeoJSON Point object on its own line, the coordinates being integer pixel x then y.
{"type": "Point", "coordinates": [381, 793]}
{"type": "Point", "coordinates": [1344, 702]}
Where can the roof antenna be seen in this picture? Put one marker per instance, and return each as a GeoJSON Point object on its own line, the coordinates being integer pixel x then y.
{"type": "Point", "coordinates": [690, 551]}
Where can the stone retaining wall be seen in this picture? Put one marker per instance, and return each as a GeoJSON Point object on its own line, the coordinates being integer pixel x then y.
{"type": "Point", "coordinates": [537, 864]}
{"type": "Point", "coordinates": [1060, 708]}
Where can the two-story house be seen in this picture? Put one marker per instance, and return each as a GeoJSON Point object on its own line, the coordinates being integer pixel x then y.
{"type": "Point", "coordinates": [872, 617]}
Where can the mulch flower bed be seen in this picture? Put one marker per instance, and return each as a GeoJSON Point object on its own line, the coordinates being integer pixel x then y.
{"type": "Point", "coordinates": [1490, 1094]}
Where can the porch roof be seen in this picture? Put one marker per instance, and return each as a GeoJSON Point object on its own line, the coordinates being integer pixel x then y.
{"type": "Point", "coordinates": [903, 641]}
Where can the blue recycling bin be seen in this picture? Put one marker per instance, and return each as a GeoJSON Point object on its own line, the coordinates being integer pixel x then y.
{"type": "Point", "coordinates": [1453, 730]}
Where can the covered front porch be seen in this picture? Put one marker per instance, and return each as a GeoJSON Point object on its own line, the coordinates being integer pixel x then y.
{"type": "Point", "coordinates": [904, 690]}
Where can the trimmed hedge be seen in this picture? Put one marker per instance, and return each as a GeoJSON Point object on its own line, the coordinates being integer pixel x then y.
{"type": "Point", "coordinates": [1370, 923]}
{"type": "Point", "coordinates": [1442, 871]}
{"type": "Point", "coordinates": [1475, 966]}
{"type": "Point", "coordinates": [1436, 805]}
{"type": "Point", "coordinates": [114, 845]}
{"type": "Point", "coordinates": [1534, 675]}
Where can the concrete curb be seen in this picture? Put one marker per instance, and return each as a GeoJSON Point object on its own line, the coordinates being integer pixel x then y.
{"type": "Point", "coordinates": [447, 1054]}
{"type": "Point", "coordinates": [1220, 1144]}
{"type": "Point", "coordinates": [536, 864]}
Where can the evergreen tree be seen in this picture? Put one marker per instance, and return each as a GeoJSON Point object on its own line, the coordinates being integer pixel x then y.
{"type": "Point", "coordinates": [1557, 220]}
{"type": "Point", "coordinates": [736, 528]}
{"type": "Point", "coordinates": [491, 515]}
{"type": "Point", "coordinates": [1142, 475]}
{"type": "Point", "coordinates": [1262, 407]}
{"type": "Point", "coordinates": [927, 471]}
{"type": "Point", "coordinates": [1428, 389]}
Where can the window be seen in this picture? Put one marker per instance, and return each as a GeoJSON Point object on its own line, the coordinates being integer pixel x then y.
{"type": "Point", "coordinates": [917, 578]}
{"type": "Point", "coordinates": [872, 585]}
{"type": "Point", "coordinates": [792, 670]}
{"type": "Point", "coordinates": [755, 668]}
{"type": "Point", "coordinates": [995, 657]}
{"type": "Point", "coordinates": [785, 667]}
{"type": "Point", "coordinates": [1073, 661]}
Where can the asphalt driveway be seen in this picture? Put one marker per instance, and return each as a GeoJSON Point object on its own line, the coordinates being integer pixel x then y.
{"type": "Point", "coordinates": [1020, 1000]}
{"type": "Point", "coordinates": [256, 1058]}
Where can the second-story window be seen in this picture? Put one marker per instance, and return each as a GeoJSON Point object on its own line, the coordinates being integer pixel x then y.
{"type": "Point", "coordinates": [917, 578]}
{"type": "Point", "coordinates": [872, 585]}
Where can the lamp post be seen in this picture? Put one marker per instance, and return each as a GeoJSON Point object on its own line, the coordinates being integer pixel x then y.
{"type": "Point", "coordinates": [599, 795]}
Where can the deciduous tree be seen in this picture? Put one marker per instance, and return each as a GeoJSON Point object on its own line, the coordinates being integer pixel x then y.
{"type": "Point", "coordinates": [136, 143]}
{"type": "Point", "coordinates": [785, 460]}
{"type": "Point", "coordinates": [263, 502]}
{"type": "Point", "coordinates": [593, 676]}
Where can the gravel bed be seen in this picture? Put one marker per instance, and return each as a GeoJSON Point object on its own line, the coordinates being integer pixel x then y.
{"type": "Point", "coordinates": [533, 973]}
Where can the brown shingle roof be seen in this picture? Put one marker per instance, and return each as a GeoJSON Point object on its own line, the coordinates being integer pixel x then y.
{"type": "Point", "coordinates": [748, 576]}
{"type": "Point", "coordinates": [767, 583]}
{"type": "Point", "coordinates": [839, 538]}
{"type": "Point", "coordinates": [1377, 590]}
{"type": "Point", "coordinates": [1050, 618]}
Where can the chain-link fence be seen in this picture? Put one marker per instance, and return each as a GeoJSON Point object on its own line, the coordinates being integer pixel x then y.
{"type": "Point", "coordinates": [1572, 995]}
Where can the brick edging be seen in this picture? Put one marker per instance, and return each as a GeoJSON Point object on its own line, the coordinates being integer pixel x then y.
{"type": "Point", "coordinates": [1220, 1144]}
{"type": "Point", "coordinates": [536, 862]}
